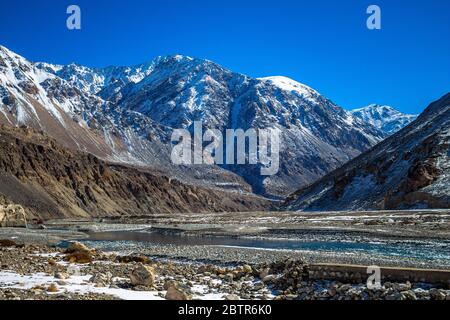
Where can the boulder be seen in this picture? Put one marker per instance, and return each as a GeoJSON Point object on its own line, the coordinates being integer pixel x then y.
{"type": "Point", "coordinates": [6, 243]}
{"type": "Point", "coordinates": [176, 293]}
{"type": "Point", "coordinates": [169, 283]}
{"type": "Point", "coordinates": [12, 216]}
{"type": "Point", "coordinates": [143, 276]}
{"type": "Point", "coordinates": [247, 269]}
{"type": "Point", "coordinates": [101, 280]}
{"type": "Point", "coordinates": [79, 257]}
{"type": "Point", "coordinates": [77, 246]}
{"type": "Point", "coordinates": [79, 253]}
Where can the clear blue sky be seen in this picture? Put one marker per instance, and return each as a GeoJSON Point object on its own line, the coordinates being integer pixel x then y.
{"type": "Point", "coordinates": [323, 43]}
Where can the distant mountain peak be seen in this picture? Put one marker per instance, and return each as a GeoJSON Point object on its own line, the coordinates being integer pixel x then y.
{"type": "Point", "coordinates": [384, 117]}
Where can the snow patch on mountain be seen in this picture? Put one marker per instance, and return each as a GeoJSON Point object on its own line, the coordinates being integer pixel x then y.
{"type": "Point", "coordinates": [292, 86]}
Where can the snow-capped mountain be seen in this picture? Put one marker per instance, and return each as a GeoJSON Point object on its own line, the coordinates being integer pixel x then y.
{"type": "Point", "coordinates": [384, 118]}
{"type": "Point", "coordinates": [408, 170]}
{"type": "Point", "coordinates": [32, 94]}
{"type": "Point", "coordinates": [127, 114]}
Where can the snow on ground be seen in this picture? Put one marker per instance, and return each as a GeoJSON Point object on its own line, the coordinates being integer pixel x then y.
{"type": "Point", "coordinates": [74, 284]}
{"type": "Point", "coordinates": [80, 284]}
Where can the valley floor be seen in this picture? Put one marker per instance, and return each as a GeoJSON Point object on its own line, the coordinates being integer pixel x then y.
{"type": "Point", "coordinates": [235, 256]}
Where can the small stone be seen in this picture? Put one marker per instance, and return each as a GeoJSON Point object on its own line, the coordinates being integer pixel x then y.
{"type": "Point", "coordinates": [247, 269]}
{"type": "Point", "coordinates": [61, 275]}
{"type": "Point", "coordinates": [332, 291]}
{"type": "Point", "coordinates": [51, 261]}
{"type": "Point", "coordinates": [395, 296]}
{"type": "Point", "coordinates": [52, 288]}
{"type": "Point", "coordinates": [229, 277]}
{"type": "Point", "coordinates": [100, 279]}
{"type": "Point", "coordinates": [344, 288]}
{"type": "Point", "coordinates": [231, 297]}
{"type": "Point", "coordinates": [76, 246]}
{"type": "Point", "coordinates": [258, 286]}
{"type": "Point", "coordinates": [264, 273]}
{"type": "Point", "coordinates": [169, 283]}
{"type": "Point", "coordinates": [133, 258]}
{"type": "Point", "coordinates": [269, 278]}
{"type": "Point", "coordinates": [409, 295]}
{"type": "Point", "coordinates": [81, 257]}
{"type": "Point", "coordinates": [437, 294]}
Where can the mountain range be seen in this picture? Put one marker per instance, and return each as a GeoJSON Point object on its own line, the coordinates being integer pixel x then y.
{"type": "Point", "coordinates": [125, 115]}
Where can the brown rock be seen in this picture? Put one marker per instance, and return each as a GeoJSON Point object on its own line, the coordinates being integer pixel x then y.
{"type": "Point", "coordinates": [52, 288]}
{"type": "Point", "coordinates": [143, 276]}
{"type": "Point", "coordinates": [77, 246]}
{"type": "Point", "coordinates": [79, 253]}
{"type": "Point", "coordinates": [175, 293]}
{"type": "Point", "coordinates": [139, 258]}
{"type": "Point", "coordinates": [247, 269]}
{"type": "Point", "coordinates": [13, 216]}
{"type": "Point", "coordinates": [6, 243]}
{"type": "Point", "coordinates": [79, 257]}
{"type": "Point", "coordinates": [264, 273]}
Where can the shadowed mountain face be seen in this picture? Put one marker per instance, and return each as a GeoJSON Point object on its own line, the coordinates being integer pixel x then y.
{"type": "Point", "coordinates": [127, 115]}
{"type": "Point", "coordinates": [410, 169]}
{"type": "Point", "coordinates": [50, 181]}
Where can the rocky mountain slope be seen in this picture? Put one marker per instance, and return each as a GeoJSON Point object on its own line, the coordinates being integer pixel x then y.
{"type": "Point", "coordinates": [127, 115]}
{"type": "Point", "coordinates": [50, 181]}
{"type": "Point", "coordinates": [384, 118]}
{"type": "Point", "coordinates": [410, 169]}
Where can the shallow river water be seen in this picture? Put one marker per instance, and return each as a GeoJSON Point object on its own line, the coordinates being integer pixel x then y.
{"type": "Point", "coordinates": [425, 250]}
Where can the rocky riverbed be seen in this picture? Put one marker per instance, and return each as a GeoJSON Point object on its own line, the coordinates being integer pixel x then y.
{"type": "Point", "coordinates": [80, 272]}
{"type": "Point", "coordinates": [249, 256]}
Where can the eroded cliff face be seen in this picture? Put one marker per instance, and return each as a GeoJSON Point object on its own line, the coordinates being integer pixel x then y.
{"type": "Point", "coordinates": [50, 181]}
